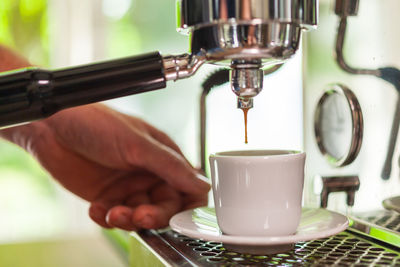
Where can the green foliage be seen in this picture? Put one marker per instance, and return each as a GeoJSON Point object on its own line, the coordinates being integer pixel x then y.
{"type": "Point", "coordinates": [24, 26]}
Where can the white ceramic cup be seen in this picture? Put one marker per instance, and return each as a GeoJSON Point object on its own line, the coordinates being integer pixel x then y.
{"type": "Point", "coordinates": [258, 192]}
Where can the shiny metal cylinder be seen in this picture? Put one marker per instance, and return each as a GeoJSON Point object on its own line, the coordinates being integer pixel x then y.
{"type": "Point", "coordinates": [271, 43]}
{"type": "Point", "coordinates": [200, 13]}
{"type": "Point", "coordinates": [226, 32]}
{"type": "Point", "coordinates": [223, 30]}
{"type": "Point", "coordinates": [181, 66]}
{"type": "Point", "coordinates": [246, 82]}
{"type": "Point", "coordinates": [246, 79]}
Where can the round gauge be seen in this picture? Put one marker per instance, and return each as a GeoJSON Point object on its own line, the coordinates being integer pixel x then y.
{"type": "Point", "coordinates": [338, 125]}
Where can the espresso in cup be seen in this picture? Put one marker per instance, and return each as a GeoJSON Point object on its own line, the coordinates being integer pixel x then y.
{"type": "Point", "coordinates": [258, 192]}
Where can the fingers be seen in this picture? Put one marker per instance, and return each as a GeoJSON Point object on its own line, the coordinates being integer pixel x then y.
{"type": "Point", "coordinates": [117, 191]}
{"type": "Point", "coordinates": [164, 158]}
{"type": "Point", "coordinates": [137, 199]}
{"type": "Point", "coordinates": [145, 210]}
{"type": "Point", "coordinates": [170, 166]}
{"type": "Point", "coordinates": [121, 217]}
{"type": "Point", "coordinates": [98, 213]}
{"type": "Point", "coordinates": [128, 146]}
{"type": "Point", "coordinates": [155, 216]}
{"type": "Point", "coordinates": [167, 201]}
{"type": "Point", "coordinates": [194, 201]}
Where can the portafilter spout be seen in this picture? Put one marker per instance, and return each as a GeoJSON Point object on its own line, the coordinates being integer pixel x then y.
{"type": "Point", "coordinates": [246, 81]}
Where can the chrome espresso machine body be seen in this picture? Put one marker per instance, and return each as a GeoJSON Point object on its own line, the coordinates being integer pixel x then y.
{"type": "Point", "coordinates": [245, 36]}
{"type": "Point", "coordinates": [351, 117]}
{"type": "Point", "coordinates": [351, 122]}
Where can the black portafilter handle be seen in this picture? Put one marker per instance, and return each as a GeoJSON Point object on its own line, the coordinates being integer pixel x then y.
{"type": "Point", "coordinates": [32, 94]}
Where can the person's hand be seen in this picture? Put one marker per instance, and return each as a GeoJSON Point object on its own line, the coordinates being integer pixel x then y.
{"type": "Point", "coordinates": [133, 175]}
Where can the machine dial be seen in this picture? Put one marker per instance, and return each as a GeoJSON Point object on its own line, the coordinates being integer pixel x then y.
{"type": "Point", "coordinates": [338, 125]}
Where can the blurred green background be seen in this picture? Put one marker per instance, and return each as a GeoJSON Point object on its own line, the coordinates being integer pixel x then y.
{"type": "Point", "coordinates": [26, 193]}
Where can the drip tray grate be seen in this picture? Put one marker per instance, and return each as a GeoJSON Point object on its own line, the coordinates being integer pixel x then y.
{"type": "Point", "coordinates": [345, 249]}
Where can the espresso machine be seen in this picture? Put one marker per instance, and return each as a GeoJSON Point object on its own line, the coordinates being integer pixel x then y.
{"type": "Point", "coordinates": [244, 36]}
{"type": "Point", "coordinates": [351, 122]}
{"type": "Point", "coordinates": [250, 39]}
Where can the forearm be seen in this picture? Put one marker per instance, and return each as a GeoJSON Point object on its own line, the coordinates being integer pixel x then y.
{"type": "Point", "coordinates": [28, 135]}
{"type": "Point", "coordinates": [9, 60]}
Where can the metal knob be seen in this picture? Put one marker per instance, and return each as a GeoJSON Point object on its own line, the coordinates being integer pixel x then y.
{"type": "Point", "coordinates": [348, 184]}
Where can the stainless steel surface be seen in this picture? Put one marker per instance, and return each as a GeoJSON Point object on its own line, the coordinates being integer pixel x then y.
{"type": "Point", "coordinates": [387, 219]}
{"type": "Point", "coordinates": [376, 95]}
{"type": "Point", "coordinates": [357, 125]}
{"type": "Point", "coordinates": [346, 8]}
{"type": "Point", "coordinates": [227, 32]}
{"type": "Point", "coordinates": [200, 13]}
{"type": "Point", "coordinates": [345, 249]}
{"type": "Point", "coordinates": [245, 102]}
{"type": "Point", "coordinates": [392, 203]}
{"type": "Point", "coordinates": [181, 66]}
{"type": "Point", "coordinates": [347, 184]}
{"type": "Point", "coordinates": [382, 225]}
{"type": "Point", "coordinates": [272, 43]}
{"type": "Point", "coordinates": [246, 81]}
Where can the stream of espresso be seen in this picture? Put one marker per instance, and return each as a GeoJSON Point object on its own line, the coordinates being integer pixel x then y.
{"type": "Point", "coordinates": [245, 110]}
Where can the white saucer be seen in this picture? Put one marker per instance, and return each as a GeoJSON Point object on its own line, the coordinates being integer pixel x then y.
{"type": "Point", "coordinates": [392, 203]}
{"type": "Point", "coordinates": [201, 223]}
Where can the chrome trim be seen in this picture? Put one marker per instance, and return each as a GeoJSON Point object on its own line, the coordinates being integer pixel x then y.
{"type": "Point", "coordinates": [246, 82]}
{"type": "Point", "coordinates": [392, 203]}
{"type": "Point", "coordinates": [357, 121]}
{"type": "Point", "coordinates": [225, 31]}
{"type": "Point", "coordinates": [345, 249]}
{"type": "Point", "coordinates": [181, 66]}
{"type": "Point", "coordinates": [375, 224]}
{"type": "Point", "coordinates": [272, 43]}
{"type": "Point", "coordinates": [201, 13]}
{"type": "Point", "coordinates": [245, 103]}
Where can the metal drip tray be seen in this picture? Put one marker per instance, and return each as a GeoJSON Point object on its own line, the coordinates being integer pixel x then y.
{"type": "Point", "coordinates": [389, 220]}
{"type": "Point", "coordinates": [345, 249]}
